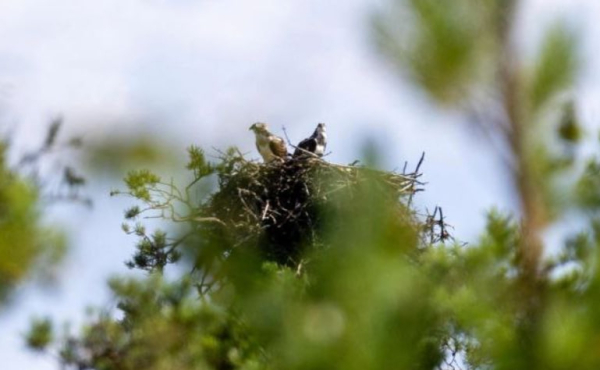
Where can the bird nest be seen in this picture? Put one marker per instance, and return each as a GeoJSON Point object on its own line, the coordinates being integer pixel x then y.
{"type": "Point", "coordinates": [283, 208]}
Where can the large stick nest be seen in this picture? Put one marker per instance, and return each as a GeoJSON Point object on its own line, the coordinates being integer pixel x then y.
{"type": "Point", "coordinates": [281, 207]}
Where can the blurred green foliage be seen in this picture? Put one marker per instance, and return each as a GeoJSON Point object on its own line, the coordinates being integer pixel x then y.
{"type": "Point", "coordinates": [447, 46]}
{"type": "Point", "coordinates": [28, 247]}
{"type": "Point", "coordinates": [40, 334]}
{"type": "Point", "coordinates": [555, 67]}
{"type": "Point", "coordinates": [116, 154]}
{"type": "Point", "coordinates": [20, 241]}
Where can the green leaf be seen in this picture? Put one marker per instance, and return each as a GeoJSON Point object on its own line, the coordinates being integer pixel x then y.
{"type": "Point", "coordinates": [40, 334]}
{"type": "Point", "coordinates": [569, 129]}
{"type": "Point", "coordinates": [555, 67]}
{"type": "Point", "coordinates": [138, 181]}
{"type": "Point", "coordinates": [197, 162]}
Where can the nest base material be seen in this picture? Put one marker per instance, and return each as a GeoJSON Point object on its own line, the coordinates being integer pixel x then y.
{"type": "Point", "coordinates": [281, 207]}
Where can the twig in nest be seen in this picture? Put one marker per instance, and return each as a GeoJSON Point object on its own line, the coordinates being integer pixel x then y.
{"type": "Point", "coordinates": [414, 176]}
{"type": "Point", "coordinates": [210, 219]}
{"type": "Point", "coordinates": [264, 214]}
{"type": "Point", "coordinates": [420, 163]}
{"type": "Point", "coordinates": [436, 227]}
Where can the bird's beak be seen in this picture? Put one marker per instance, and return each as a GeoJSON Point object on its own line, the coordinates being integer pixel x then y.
{"type": "Point", "coordinates": [251, 127]}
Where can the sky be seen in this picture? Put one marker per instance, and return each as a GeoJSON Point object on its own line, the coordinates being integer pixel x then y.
{"type": "Point", "coordinates": [200, 72]}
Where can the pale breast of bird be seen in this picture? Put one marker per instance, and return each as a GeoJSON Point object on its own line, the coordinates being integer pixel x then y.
{"type": "Point", "coordinates": [321, 143]}
{"type": "Point", "coordinates": [262, 142]}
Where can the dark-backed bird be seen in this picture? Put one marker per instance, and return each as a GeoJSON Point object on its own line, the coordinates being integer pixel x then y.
{"type": "Point", "coordinates": [269, 146]}
{"type": "Point", "coordinates": [315, 144]}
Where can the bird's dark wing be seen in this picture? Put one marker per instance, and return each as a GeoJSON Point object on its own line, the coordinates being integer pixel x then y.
{"type": "Point", "coordinates": [306, 145]}
{"type": "Point", "coordinates": [277, 146]}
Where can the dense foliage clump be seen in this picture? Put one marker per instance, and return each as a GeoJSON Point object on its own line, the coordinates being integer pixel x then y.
{"type": "Point", "coordinates": [29, 246]}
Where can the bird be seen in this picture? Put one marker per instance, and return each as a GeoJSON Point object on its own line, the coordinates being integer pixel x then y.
{"type": "Point", "coordinates": [269, 146]}
{"type": "Point", "coordinates": [315, 144]}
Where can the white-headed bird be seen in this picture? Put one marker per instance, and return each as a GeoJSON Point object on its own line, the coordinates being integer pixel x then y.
{"type": "Point", "coordinates": [269, 146]}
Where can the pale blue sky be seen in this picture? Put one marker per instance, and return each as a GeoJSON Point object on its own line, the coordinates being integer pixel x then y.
{"type": "Point", "coordinates": [201, 72]}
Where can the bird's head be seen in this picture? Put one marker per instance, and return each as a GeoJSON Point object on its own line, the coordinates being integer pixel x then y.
{"type": "Point", "coordinates": [321, 127]}
{"type": "Point", "coordinates": [259, 127]}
